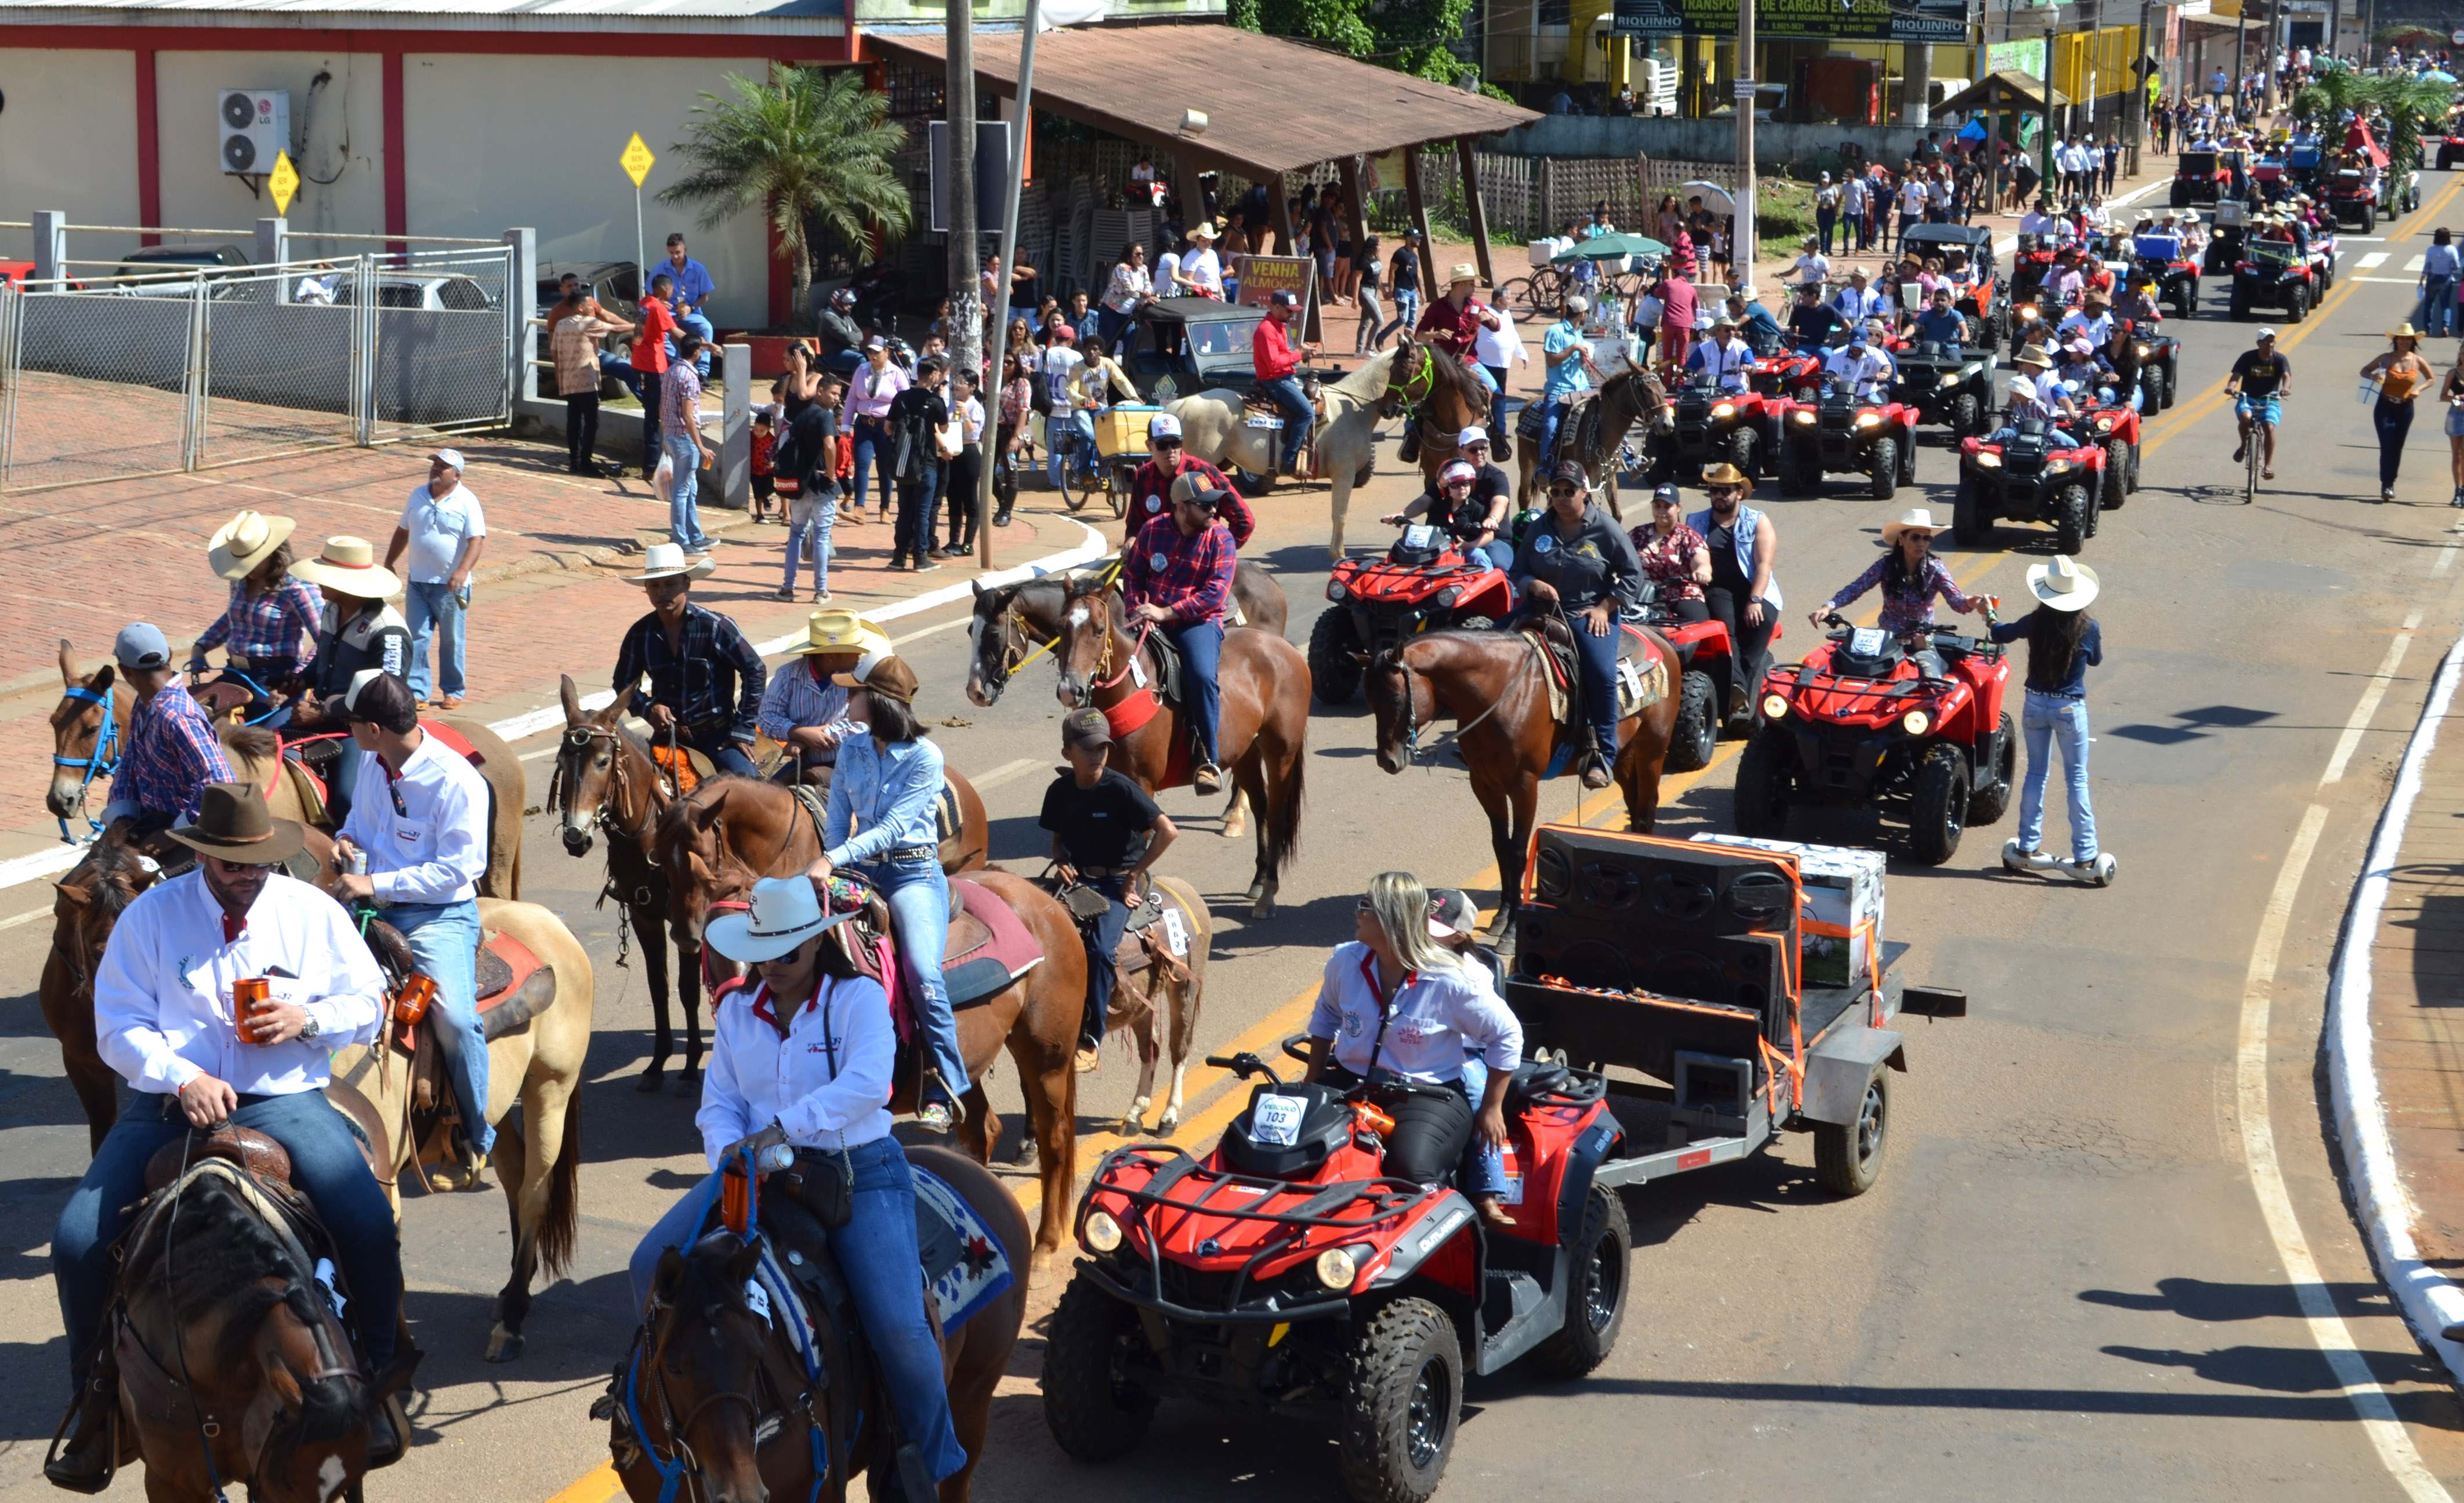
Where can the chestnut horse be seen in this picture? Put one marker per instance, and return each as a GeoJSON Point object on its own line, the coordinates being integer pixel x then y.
{"type": "Point", "coordinates": [1262, 738]}
{"type": "Point", "coordinates": [731, 832]}
{"type": "Point", "coordinates": [720, 1393]}
{"type": "Point", "coordinates": [1444, 393]}
{"type": "Point", "coordinates": [1494, 685]}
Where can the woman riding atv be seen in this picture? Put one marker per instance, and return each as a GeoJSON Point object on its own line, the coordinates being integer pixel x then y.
{"type": "Point", "coordinates": [1910, 576]}
{"type": "Point", "coordinates": [1574, 561]}
{"type": "Point", "coordinates": [1472, 520]}
{"type": "Point", "coordinates": [1399, 1010]}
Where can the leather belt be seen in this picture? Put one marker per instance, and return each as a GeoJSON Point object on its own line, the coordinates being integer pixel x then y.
{"type": "Point", "coordinates": [908, 852]}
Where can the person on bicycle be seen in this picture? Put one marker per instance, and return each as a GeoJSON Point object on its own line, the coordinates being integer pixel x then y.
{"type": "Point", "coordinates": [1278, 363]}
{"type": "Point", "coordinates": [2259, 383]}
{"type": "Point", "coordinates": [1151, 489]}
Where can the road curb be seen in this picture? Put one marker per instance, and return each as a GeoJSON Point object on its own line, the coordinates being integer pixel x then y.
{"type": "Point", "coordinates": [2431, 1301]}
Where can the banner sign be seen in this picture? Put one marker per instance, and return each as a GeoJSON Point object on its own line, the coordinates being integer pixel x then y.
{"type": "Point", "coordinates": [1263, 276]}
{"type": "Point", "coordinates": [1822, 20]}
{"type": "Point", "coordinates": [2028, 58]}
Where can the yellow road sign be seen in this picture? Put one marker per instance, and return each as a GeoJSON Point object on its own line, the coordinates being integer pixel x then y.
{"type": "Point", "coordinates": [284, 181]}
{"type": "Point", "coordinates": [637, 160]}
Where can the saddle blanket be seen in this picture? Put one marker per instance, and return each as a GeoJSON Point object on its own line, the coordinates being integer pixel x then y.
{"type": "Point", "coordinates": [1642, 676]}
{"type": "Point", "coordinates": [965, 1267]}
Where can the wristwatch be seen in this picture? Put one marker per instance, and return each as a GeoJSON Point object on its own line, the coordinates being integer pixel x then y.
{"type": "Point", "coordinates": [308, 1029]}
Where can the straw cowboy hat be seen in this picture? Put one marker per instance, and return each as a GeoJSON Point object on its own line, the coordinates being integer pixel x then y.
{"type": "Point", "coordinates": [667, 560]}
{"type": "Point", "coordinates": [1461, 271]}
{"type": "Point", "coordinates": [2065, 585]}
{"type": "Point", "coordinates": [349, 564]}
{"type": "Point", "coordinates": [840, 631]}
{"type": "Point", "coordinates": [2408, 332]}
{"type": "Point", "coordinates": [1915, 516]}
{"type": "Point", "coordinates": [1727, 475]}
{"type": "Point", "coordinates": [1202, 231]}
{"type": "Point", "coordinates": [234, 824]}
{"type": "Point", "coordinates": [784, 913]}
{"type": "Point", "coordinates": [245, 541]}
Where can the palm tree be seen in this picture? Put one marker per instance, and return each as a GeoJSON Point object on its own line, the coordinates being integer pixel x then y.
{"type": "Point", "coordinates": [805, 146]}
{"type": "Point", "coordinates": [2412, 106]}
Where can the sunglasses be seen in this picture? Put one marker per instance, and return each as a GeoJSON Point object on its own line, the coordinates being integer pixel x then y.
{"type": "Point", "coordinates": [1562, 490]}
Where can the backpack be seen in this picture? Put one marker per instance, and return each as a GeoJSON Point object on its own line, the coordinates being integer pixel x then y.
{"type": "Point", "coordinates": [784, 459]}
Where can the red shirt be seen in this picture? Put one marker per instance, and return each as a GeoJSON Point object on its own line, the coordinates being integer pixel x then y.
{"type": "Point", "coordinates": [650, 340]}
{"type": "Point", "coordinates": [1273, 354]}
{"type": "Point", "coordinates": [1151, 497]}
{"type": "Point", "coordinates": [1460, 325]}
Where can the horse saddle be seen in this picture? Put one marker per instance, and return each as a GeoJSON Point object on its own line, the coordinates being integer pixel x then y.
{"type": "Point", "coordinates": [988, 949]}
{"type": "Point", "coordinates": [514, 986]}
{"type": "Point", "coordinates": [1641, 670]}
{"type": "Point", "coordinates": [221, 700]}
{"type": "Point", "coordinates": [949, 821]}
{"type": "Point", "coordinates": [253, 1152]}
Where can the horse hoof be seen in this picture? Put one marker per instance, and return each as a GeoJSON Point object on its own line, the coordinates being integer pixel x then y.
{"type": "Point", "coordinates": [1262, 908]}
{"type": "Point", "coordinates": [651, 1080]}
{"type": "Point", "coordinates": [688, 1081]}
{"type": "Point", "coordinates": [1166, 1123]}
{"type": "Point", "coordinates": [504, 1345]}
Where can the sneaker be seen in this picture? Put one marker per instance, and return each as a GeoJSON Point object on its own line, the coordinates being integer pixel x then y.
{"type": "Point", "coordinates": [2386, 492]}
{"type": "Point", "coordinates": [783, 593]}
{"type": "Point", "coordinates": [2458, 498]}
{"type": "Point", "coordinates": [927, 566]}
{"type": "Point", "coordinates": [936, 1116]}
{"type": "Point", "coordinates": [821, 596]}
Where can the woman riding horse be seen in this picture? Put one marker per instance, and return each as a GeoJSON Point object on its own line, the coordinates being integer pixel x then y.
{"type": "Point", "coordinates": [1574, 559]}
{"type": "Point", "coordinates": [802, 1059]}
{"type": "Point", "coordinates": [270, 614]}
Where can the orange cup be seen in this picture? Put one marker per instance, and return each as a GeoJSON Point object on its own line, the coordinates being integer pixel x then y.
{"type": "Point", "coordinates": [735, 1199]}
{"type": "Point", "coordinates": [248, 994]}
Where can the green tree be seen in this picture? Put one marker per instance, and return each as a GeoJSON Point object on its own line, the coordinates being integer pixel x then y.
{"type": "Point", "coordinates": [2412, 106]}
{"type": "Point", "coordinates": [1414, 36]}
{"type": "Point", "coordinates": [804, 146]}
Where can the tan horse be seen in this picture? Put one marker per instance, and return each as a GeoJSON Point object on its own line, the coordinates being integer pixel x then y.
{"type": "Point", "coordinates": [1215, 429]}
{"type": "Point", "coordinates": [539, 1065]}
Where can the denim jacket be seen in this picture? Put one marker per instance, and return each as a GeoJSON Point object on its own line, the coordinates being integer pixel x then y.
{"type": "Point", "coordinates": [882, 799]}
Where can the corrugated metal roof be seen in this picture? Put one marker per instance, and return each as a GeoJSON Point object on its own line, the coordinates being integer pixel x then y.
{"type": "Point", "coordinates": [811, 17]}
{"type": "Point", "coordinates": [1272, 105]}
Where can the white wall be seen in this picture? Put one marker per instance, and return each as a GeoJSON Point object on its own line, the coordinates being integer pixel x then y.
{"type": "Point", "coordinates": [337, 141]}
{"type": "Point", "coordinates": [68, 141]}
{"type": "Point", "coordinates": [503, 140]}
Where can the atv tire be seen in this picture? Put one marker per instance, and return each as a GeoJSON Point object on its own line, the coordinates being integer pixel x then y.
{"type": "Point", "coordinates": [2072, 519]}
{"type": "Point", "coordinates": [1745, 451]}
{"type": "Point", "coordinates": [1797, 476]}
{"type": "Point", "coordinates": [1759, 805]}
{"type": "Point", "coordinates": [2181, 198]}
{"type": "Point", "coordinates": [1991, 802]}
{"type": "Point", "coordinates": [2297, 305]}
{"type": "Point", "coordinates": [1697, 735]}
{"type": "Point", "coordinates": [1332, 673]}
{"type": "Point", "coordinates": [2172, 382]}
{"type": "Point", "coordinates": [1093, 1408]}
{"type": "Point", "coordinates": [1884, 458]}
{"type": "Point", "coordinates": [2151, 388]}
{"type": "Point", "coordinates": [2116, 488]}
{"type": "Point", "coordinates": [1596, 1288]}
{"type": "Point", "coordinates": [1970, 526]}
{"type": "Point", "coordinates": [1847, 1160]}
{"type": "Point", "coordinates": [1908, 458]}
{"type": "Point", "coordinates": [1402, 1401]}
{"type": "Point", "coordinates": [1938, 809]}
{"type": "Point", "coordinates": [2240, 306]}
{"type": "Point", "coordinates": [2130, 487]}
{"type": "Point", "coordinates": [1965, 417]}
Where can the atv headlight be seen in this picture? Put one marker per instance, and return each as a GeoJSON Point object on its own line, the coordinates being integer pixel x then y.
{"type": "Point", "coordinates": [1916, 722]}
{"type": "Point", "coordinates": [1448, 596]}
{"type": "Point", "coordinates": [2143, 352]}
{"type": "Point", "coordinates": [2103, 423]}
{"type": "Point", "coordinates": [1724, 410]}
{"type": "Point", "coordinates": [1337, 1268]}
{"type": "Point", "coordinates": [1334, 590]}
{"type": "Point", "coordinates": [1103, 1233]}
{"type": "Point", "coordinates": [2027, 310]}
{"type": "Point", "coordinates": [1987, 459]}
{"type": "Point", "coordinates": [1804, 415]}
{"type": "Point", "coordinates": [1949, 380]}
{"type": "Point", "coordinates": [2058, 467]}
{"type": "Point", "coordinates": [1774, 708]}
{"type": "Point", "coordinates": [1866, 420]}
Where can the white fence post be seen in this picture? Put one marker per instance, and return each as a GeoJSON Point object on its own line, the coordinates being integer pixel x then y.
{"type": "Point", "coordinates": [736, 430]}
{"type": "Point", "coordinates": [274, 248]}
{"type": "Point", "coordinates": [522, 338]}
{"type": "Point", "coordinates": [51, 248]}
{"type": "Point", "coordinates": [364, 353]}
{"type": "Point", "coordinates": [192, 407]}
{"type": "Point", "coordinates": [13, 307]}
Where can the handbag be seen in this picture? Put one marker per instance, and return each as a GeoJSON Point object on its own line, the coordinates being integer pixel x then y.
{"type": "Point", "coordinates": [821, 1180]}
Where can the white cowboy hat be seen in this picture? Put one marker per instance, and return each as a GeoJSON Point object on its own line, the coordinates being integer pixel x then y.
{"type": "Point", "coordinates": [349, 564]}
{"type": "Point", "coordinates": [1203, 232]}
{"type": "Point", "coordinates": [245, 541]}
{"type": "Point", "coordinates": [667, 560]}
{"type": "Point", "coordinates": [2065, 585]}
{"type": "Point", "coordinates": [1914, 517]}
{"type": "Point", "coordinates": [785, 912]}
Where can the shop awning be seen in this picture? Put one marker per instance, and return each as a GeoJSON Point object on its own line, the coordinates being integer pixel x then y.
{"type": "Point", "coordinates": [2003, 91]}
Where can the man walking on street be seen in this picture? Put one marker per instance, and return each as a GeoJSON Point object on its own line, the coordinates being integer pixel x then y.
{"type": "Point", "coordinates": [692, 289]}
{"type": "Point", "coordinates": [443, 530]}
{"type": "Point", "coordinates": [680, 426]}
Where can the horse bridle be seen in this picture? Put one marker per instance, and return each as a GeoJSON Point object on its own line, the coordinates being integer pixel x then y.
{"type": "Point", "coordinates": [580, 738]}
{"type": "Point", "coordinates": [104, 762]}
{"type": "Point", "coordinates": [1412, 704]}
{"type": "Point", "coordinates": [1425, 365]}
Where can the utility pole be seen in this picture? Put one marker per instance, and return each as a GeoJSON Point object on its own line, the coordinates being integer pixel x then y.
{"type": "Point", "coordinates": [2134, 109]}
{"type": "Point", "coordinates": [1740, 254]}
{"type": "Point", "coordinates": [982, 500]}
{"type": "Point", "coordinates": [966, 253]}
{"type": "Point", "coordinates": [2045, 135]}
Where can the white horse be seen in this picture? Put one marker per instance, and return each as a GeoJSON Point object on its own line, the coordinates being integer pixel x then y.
{"type": "Point", "coordinates": [1213, 428]}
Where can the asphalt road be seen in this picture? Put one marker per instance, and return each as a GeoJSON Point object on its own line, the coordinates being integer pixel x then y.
{"type": "Point", "coordinates": [2107, 1255]}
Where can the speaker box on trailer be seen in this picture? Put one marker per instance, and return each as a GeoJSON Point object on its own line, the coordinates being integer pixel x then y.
{"type": "Point", "coordinates": [1742, 970]}
{"type": "Point", "coordinates": [1663, 886]}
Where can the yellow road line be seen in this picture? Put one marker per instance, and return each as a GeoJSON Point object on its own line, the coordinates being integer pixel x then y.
{"type": "Point", "coordinates": [596, 1485]}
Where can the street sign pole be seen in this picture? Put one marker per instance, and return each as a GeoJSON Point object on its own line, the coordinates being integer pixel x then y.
{"type": "Point", "coordinates": [1741, 251]}
{"type": "Point", "coordinates": [1017, 148]}
{"type": "Point", "coordinates": [637, 162]}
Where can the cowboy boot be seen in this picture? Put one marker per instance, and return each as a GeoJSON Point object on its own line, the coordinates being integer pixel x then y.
{"type": "Point", "coordinates": [1409, 450]}
{"type": "Point", "coordinates": [1499, 443]}
{"type": "Point", "coordinates": [90, 1453]}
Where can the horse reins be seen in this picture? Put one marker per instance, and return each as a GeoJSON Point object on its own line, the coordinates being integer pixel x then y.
{"type": "Point", "coordinates": [1411, 708]}
{"type": "Point", "coordinates": [103, 762]}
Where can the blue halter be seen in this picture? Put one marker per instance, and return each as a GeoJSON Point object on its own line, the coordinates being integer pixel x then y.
{"type": "Point", "coordinates": [103, 763]}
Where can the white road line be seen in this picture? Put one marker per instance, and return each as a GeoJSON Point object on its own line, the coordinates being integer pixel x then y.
{"type": "Point", "coordinates": [1010, 769]}
{"type": "Point", "coordinates": [2447, 554]}
{"type": "Point", "coordinates": [963, 621]}
{"type": "Point", "coordinates": [2373, 260]}
{"type": "Point", "coordinates": [2369, 707]}
{"type": "Point", "coordinates": [543, 751]}
{"type": "Point", "coordinates": [2414, 265]}
{"type": "Point", "coordinates": [2361, 240]}
{"type": "Point", "coordinates": [42, 863]}
{"type": "Point", "coordinates": [26, 917]}
{"type": "Point", "coordinates": [2391, 281]}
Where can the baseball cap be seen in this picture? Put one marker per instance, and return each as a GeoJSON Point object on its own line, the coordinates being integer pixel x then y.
{"type": "Point", "coordinates": [1163, 425]}
{"type": "Point", "coordinates": [450, 456]}
{"type": "Point", "coordinates": [1452, 914]}
{"type": "Point", "coordinates": [1086, 727]}
{"type": "Point", "coordinates": [874, 343]}
{"type": "Point", "coordinates": [2267, 334]}
{"type": "Point", "coordinates": [1065, 335]}
{"type": "Point", "coordinates": [1285, 297]}
{"type": "Point", "coordinates": [1470, 436]}
{"type": "Point", "coordinates": [140, 644]}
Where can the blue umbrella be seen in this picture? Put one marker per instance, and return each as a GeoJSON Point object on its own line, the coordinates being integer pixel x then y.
{"type": "Point", "coordinates": [2438, 76]}
{"type": "Point", "coordinates": [1973, 130]}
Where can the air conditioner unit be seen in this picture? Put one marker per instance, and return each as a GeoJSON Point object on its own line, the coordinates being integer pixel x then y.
{"type": "Point", "coordinates": [254, 125]}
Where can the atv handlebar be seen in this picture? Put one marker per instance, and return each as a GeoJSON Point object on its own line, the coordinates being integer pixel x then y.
{"type": "Point", "coordinates": [1244, 1065]}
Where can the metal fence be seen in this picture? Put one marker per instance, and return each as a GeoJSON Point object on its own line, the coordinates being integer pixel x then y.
{"type": "Point", "coordinates": [114, 377]}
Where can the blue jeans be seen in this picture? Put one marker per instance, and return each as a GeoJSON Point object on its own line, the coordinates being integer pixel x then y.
{"type": "Point", "coordinates": [918, 896]}
{"type": "Point", "coordinates": [1484, 1167]}
{"type": "Point", "coordinates": [871, 439]}
{"type": "Point", "coordinates": [1497, 550]}
{"type": "Point", "coordinates": [878, 1254]}
{"type": "Point", "coordinates": [611, 364]}
{"type": "Point", "coordinates": [2438, 305]}
{"type": "Point", "coordinates": [345, 779]}
{"type": "Point", "coordinates": [445, 939]}
{"type": "Point", "coordinates": [1826, 223]}
{"type": "Point", "coordinates": [1298, 416]}
{"type": "Point", "coordinates": [1110, 326]}
{"type": "Point", "coordinates": [1200, 644]}
{"type": "Point", "coordinates": [1553, 412]}
{"type": "Point", "coordinates": [724, 752]}
{"type": "Point", "coordinates": [693, 322]}
{"type": "Point", "coordinates": [1084, 460]}
{"type": "Point", "coordinates": [809, 520]}
{"type": "Point", "coordinates": [2050, 718]}
{"type": "Point", "coordinates": [1102, 936]}
{"type": "Point", "coordinates": [1598, 657]}
{"type": "Point", "coordinates": [325, 1164]}
{"type": "Point", "coordinates": [1407, 313]}
{"type": "Point", "coordinates": [2393, 421]}
{"type": "Point", "coordinates": [684, 516]}
{"type": "Point", "coordinates": [437, 608]}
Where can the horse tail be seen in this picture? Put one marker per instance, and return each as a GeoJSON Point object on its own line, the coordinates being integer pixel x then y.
{"type": "Point", "coordinates": [1284, 816]}
{"type": "Point", "coordinates": [558, 1230]}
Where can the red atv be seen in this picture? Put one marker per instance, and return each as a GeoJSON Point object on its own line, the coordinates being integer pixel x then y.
{"type": "Point", "coordinates": [1713, 693]}
{"type": "Point", "coordinates": [2033, 477]}
{"type": "Point", "coordinates": [1861, 723]}
{"type": "Point", "coordinates": [1426, 582]}
{"type": "Point", "coordinates": [1835, 431]}
{"type": "Point", "coordinates": [1284, 1273]}
{"type": "Point", "coordinates": [2115, 425]}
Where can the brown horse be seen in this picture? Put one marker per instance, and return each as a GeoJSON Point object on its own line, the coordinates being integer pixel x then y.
{"type": "Point", "coordinates": [717, 842]}
{"type": "Point", "coordinates": [1446, 396]}
{"type": "Point", "coordinates": [1594, 431]}
{"type": "Point", "coordinates": [1262, 737]}
{"type": "Point", "coordinates": [719, 1392]}
{"type": "Point", "coordinates": [233, 1368]}
{"type": "Point", "coordinates": [1494, 685]}
{"type": "Point", "coordinates": [1153, 981]}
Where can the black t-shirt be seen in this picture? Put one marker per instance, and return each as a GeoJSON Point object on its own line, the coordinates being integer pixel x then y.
{"type": "Point", "coordinates": [1407, 271]}
{"type": "Point", "coordinates": [1099, 826]}
{"type": "Point", "coordinates": [1814, 323]}
{"type": "Point", "coordinates": [2261, 374]}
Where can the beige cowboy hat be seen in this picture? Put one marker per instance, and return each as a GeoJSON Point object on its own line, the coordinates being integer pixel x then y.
{"type": "Point", "coordinates": [349, 564]}
{"type": "Point", "coordinates": [2065, 585]}
{"type": "Point", "coordinates": [1202, 231]}
{"type": "Point", "coordinates": [1461, 271]}
{"type": "Point", "coordinates": [667, 560]}
{"type": "Point", "coordinates": [2034, 355]}
{"type": "Point", "coordinates": [234, 824]}
{"type": "Point", "coordinates": [245, 541]}
{"type": "Point", "coordinates": [1918, 517]}
{"type": "Point", "coordinates": [842, 632]}
{"type": "Point", "coordinates": [2406, 331]}
{"type": "Point", "coordinates": [1725, 475]}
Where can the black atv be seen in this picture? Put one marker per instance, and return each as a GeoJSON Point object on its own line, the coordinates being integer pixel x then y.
{"type": "Point", "coordinates": [1947, 383]}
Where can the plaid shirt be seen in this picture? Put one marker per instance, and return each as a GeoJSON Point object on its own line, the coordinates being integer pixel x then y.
{"type": "Point", "coordinates": [1189, 577]}
{"type": "Point", "coordinates": [1909, 605]}
{"type": "Point", "coordinates": [172, 754]}
{"type": "Point", "coordinates": [716, 667]}
{"type": "Point", "coordinates": [266, 628]}
{"type": "Point", "coordinates": [680, 400]}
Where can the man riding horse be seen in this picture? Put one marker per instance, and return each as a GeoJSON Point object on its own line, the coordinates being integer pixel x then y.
{"type": "Point", "coordinates": [1167, 461]}
{"type": "Point", "coordinates": [1452, 323]}
{"type": "Point", "coordinates": [803, 709]}
{"type": "Point", "coordinates": [361, 631]}
{"type": "Point", "coordinates": [173, 752]}
{"type": "Point", "coordinates": [1278, 362]}
{"type": "Point", "coordinates": [706, 680]}
{"type": "Point", "coordinates": [167, 1001]}
{"type": "Point", "coordinates": [1179, 580]}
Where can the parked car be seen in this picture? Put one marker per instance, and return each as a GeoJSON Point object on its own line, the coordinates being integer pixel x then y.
{"type": "Point", "coordinates": [436, 291]}
{"type": "Point", "coordinates": [168, 271]}
{"type": "Point", "coordinates": [616, 284]}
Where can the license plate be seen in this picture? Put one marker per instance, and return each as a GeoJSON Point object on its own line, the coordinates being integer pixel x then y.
{"type": "Point", "coordinates": [1276, 1121]}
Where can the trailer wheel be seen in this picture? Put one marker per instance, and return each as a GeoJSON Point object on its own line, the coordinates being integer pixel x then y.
{"type": "Point", "coordinates": [1697, 725]}
{"type": "Point", "coordinates": [1595, 1292]}
{"type": "Point", "coordinates": [1939, 808]}
{"type": "Point", "coordinates": [1400, 1403]}
{"type": "Point", "coordinates": [1848, 1160]}
{"type": "Point", "coordinates": [1991, 802]}
{"type": "Point", "coordinates": [1094, 1409]}
{"type": "Point", "coordinates": [1759, 804]}
{"type": "Point", "coordinates": [1333, 641]}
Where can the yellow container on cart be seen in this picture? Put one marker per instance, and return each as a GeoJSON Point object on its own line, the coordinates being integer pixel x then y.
{"type": "Point", "coordinates": [1121, 432]}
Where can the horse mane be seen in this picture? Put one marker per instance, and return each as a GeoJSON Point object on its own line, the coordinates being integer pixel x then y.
{"type": "Point", "coordinates": [257, 743]}
{"type": "Point", "coordinates": [1369, 382]}
{"type": "Point", "coordinates": [1466, 385]}
{"type": "Point", "coordinates": [118, 875]}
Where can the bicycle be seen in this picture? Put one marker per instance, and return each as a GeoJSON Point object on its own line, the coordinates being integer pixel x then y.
{"type": "Point", "coordinates": [1088, 474]}
{"type": "Point", "coordinates": [2263, 413]}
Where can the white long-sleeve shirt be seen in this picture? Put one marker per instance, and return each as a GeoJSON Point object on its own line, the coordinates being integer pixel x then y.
{"type": "Point", "coordinates": [755, 1075]}
{"type": "Point", "coordinates": [434, 847]}
{"type": "Point", "coordinates": [162, 997]}
{"type": "Point", "coordinates": [1434, 1019]}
